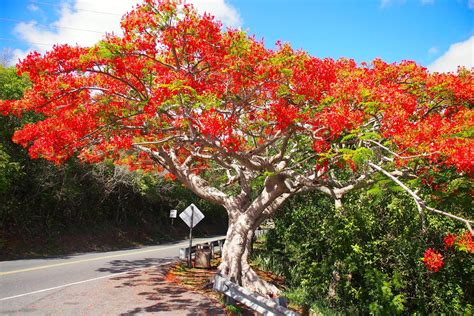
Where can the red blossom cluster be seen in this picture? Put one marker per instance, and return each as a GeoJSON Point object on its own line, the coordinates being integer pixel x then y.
{"type": "Point", "coordinates": [433, 259]}
{"type": "Point", "coordinates": [449, 240]}
{"type": "Point", "coordinates": [179, 80]}
{"type": "Point", "coordinates": [462, 242]}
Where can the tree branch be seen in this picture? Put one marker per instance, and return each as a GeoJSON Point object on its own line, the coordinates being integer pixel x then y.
{"type": "Point", "coordinates": [419, 202]}
{"type": "Point", "coordinates": [398, 155]}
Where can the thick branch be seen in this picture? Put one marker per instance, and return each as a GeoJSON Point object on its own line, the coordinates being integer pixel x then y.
{"type": "Point", "coordinates": [194, 182]}
{"type": "Point", "coordinates": [274, 189]}
{"type": "Point", "coordinates": [419, 202]}
{"type": "Point", "coordinates": [275, 205]}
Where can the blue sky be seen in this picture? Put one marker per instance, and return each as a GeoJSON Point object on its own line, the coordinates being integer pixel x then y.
{"type": "Point", "coordinates": [435, 33]}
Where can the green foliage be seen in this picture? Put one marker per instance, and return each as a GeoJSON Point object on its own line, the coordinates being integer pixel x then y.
{"type": "Point", "coordinates": [11, 88]}
{"type": "Point", "coordinates": [11, 85]}
{"type": "Point", "coordinates": [46, 201]}
{"type": "Point", "coordinates": [370, 253]}
{"type": "Point", "coordinates": [359, 155]}
{"type": "Point", "coordinates": [233, 310]}
{"type": "Point", "coordinates": [8, 170]}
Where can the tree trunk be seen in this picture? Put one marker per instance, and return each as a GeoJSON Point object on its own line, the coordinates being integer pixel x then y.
{"type": "Point", "coordinates": [236, 255]}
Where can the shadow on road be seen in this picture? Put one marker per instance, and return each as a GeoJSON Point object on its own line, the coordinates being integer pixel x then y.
{"type": "Point", "coordinates": [154, 293]}
{"type": "Point", "coordinates": [118, 266]}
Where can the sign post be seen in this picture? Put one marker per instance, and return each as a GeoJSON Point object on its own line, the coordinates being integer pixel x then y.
{"type": "Point", "coordinates": [191, 216]}
{"type": "Point", "coordinates": [190, 264]}
{"type": "Point", "coordinates": [173, 214]}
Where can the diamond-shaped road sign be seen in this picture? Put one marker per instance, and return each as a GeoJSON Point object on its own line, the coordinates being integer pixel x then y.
{"type": "Point", "coordinates": [186, 215]}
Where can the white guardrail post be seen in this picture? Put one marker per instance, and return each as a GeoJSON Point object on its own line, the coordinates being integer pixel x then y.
{"type": "Point", "coordinates": [184, 252]}
{"type": "Point", "coordinates": [250, 299]}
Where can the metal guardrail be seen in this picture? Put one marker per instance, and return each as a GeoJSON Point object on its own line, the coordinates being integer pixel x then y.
{"type": "Point", "coordinates": [184, 252]}
{"type": "Point", "coordinates": [250, 299]}
{"type": "Point", "coordinates": [256, 302]}
{"type": "Point", "coordinates": [260, 232]}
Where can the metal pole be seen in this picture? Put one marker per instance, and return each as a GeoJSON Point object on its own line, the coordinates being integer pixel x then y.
{"type": "Point", "coordinates": [191, 236]}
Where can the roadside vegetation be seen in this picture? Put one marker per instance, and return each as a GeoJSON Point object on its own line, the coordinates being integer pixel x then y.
{"type": "Point", "coordinates": [49, 209]}
{"type": "Point", "coordinates": [367, 258]}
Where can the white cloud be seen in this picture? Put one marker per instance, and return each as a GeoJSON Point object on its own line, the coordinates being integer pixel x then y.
{"type": "Point", "coordinates": [32, 7]}
{"type": "Point", "coordinates": [385, 3]}
{"type": "Point", "coordinates": [220, 9]}
{"type": "Point", "coordinates": [458, 54]}
{"type": "Point", "coordinates": [80, 15]}
{"type": "Point", "coordinates": [388, 3]}
{"type": "Point", "coordinates": [433, 51]}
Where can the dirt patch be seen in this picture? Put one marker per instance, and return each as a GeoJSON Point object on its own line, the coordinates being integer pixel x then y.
{"type": "Point", "coordinates": [201, 281]}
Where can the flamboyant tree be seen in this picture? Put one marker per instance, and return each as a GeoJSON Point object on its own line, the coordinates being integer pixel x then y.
{"type": "Point", "coordinates": [239, 124]}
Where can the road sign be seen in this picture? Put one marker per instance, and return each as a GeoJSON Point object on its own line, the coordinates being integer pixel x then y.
{"type": "Point", "coordinates": [173, 213]}
{"type": "Point", "coordinates": [191, 215]}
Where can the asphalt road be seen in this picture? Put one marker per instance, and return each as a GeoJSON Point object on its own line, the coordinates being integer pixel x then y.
{"type": "Point", "coordinates": [23, 282]}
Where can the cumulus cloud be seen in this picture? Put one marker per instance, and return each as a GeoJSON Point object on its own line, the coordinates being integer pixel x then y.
{"type": "Point", "coordinates": [84, 22]}
{"type": "Point", "coordinates": [387, 3]}
{"type": "Point", "coordinates": [458, 54]}
{"type": "Point", "coordinates": [32, 7]}
{"type": "Point", "coordinates": [433, 51]}
{"type": "Point", "coordinates": [220, 9]}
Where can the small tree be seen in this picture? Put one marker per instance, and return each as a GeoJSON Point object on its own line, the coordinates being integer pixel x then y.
{"type": "Point", "coordinates": [241, 125]}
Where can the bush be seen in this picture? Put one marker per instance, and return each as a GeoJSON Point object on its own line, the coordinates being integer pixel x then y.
{"type": "Point", "coordinates": [366, 257]}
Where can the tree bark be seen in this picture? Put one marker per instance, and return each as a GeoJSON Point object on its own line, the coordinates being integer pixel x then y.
{"type": "Point", "coordinates": [236, 255]}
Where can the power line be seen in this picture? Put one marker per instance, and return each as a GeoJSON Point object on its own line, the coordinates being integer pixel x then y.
{"type": "Point", "coordinates": [58, 5]}
{"type": "Point", "coordinates": [55, 26]}
{"type": "Point", "coordinates": [22, 41]}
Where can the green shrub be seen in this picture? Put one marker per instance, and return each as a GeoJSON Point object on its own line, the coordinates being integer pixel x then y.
{"type": "Point", "coordinates": [366, 257]}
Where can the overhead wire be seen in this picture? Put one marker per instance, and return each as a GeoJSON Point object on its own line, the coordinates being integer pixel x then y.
{"type": "Point", "coordinates": [45, 3]}
{"type": "Point", "coordinates": [53, 26]}
{"type": "Point", "coordinates": [76, 9]}
{"type": "Point", "coordinates": [23, 41]}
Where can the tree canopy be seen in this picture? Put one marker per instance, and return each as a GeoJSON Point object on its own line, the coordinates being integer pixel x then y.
{"type": "Point", "coordinates": [242, 125]}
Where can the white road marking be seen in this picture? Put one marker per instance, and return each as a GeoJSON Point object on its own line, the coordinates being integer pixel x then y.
{"type": "Point", "coordinates": [80, 282]}
{"type": "Point", "coordinates": [88, 260]}
{"type": "Point", "coordinates": [179, 245]}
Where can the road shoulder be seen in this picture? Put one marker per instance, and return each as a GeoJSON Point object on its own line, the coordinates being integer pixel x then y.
{"type": "Point", "coordinates": [143, 291]}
